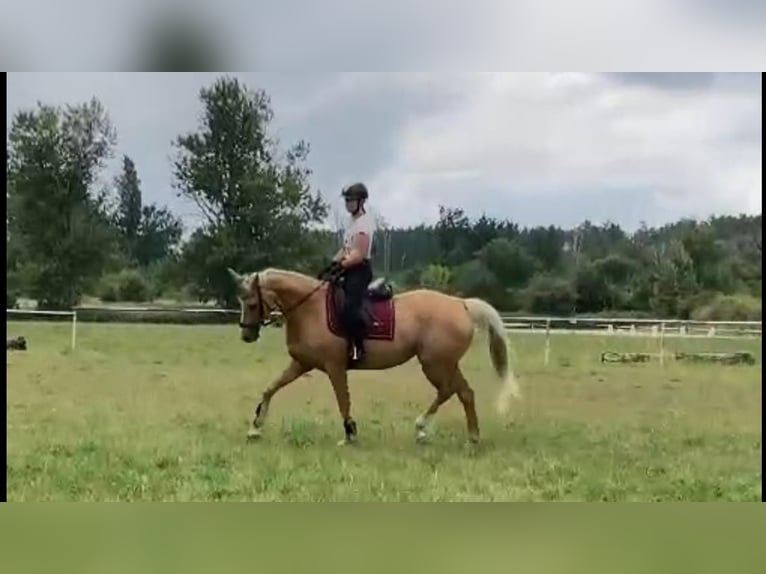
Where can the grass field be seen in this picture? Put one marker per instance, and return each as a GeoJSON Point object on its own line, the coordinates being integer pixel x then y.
{"type": "Point", "coordinates": [160, 413]}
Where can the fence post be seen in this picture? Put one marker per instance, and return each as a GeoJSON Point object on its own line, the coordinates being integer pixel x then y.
{"type": "Point", "coordinates": [662, 343]}
{"type": "Point", "coordinates": [74, 329]}
{"type": "Point", "coordinates": [547, 340]}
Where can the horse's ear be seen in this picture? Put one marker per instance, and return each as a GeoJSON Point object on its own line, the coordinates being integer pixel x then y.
{"type": "Point", "coordinates": [234, 275]}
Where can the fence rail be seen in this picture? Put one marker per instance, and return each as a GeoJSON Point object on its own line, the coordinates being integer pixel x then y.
{"type": "Point", "coordinates": [658, 328]}
{"type": "Point", "coordinates": [72, 314]}
{"type": "Point", "coordinates": [639, 327]}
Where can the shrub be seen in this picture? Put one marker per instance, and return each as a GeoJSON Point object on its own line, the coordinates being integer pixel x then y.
{"type": "Point", "coordinates": [134, 287]}
{"type": "Point", "coordinates": [12, 289]}
{"type": "Point", "coordinates": [127, 285]}
{"type": "Point", "coordinates": [159, 316]}
{"type": "Point", "coordinates": [550, 295]}
{"type": "Point", "coordinates": [729, 308]}
{"type": "Point", "coordinates": [107, 289]}
{"type": "Point", "coordinates": [436, 277]}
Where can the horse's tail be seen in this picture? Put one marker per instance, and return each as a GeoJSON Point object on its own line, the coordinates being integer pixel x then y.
{"type": "Point", "coordinates": [484, 314]}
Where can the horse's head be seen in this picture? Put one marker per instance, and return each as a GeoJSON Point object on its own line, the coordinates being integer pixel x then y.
{"type": "Point", "coordinates": [250, 298]}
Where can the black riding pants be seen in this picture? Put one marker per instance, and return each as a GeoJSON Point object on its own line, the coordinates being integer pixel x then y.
{"type": "Point", "coordinates": [356, 281]}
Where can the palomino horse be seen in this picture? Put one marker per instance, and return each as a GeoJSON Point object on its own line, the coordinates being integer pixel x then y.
{"type": "Point", "coordinates": [435, 327]}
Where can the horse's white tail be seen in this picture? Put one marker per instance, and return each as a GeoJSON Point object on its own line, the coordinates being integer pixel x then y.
{"type": "Point", "coordinates": [485, 315]}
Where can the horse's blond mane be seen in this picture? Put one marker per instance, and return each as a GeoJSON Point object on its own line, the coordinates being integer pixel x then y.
{"type": "Point", "coordinates": [265, 274]}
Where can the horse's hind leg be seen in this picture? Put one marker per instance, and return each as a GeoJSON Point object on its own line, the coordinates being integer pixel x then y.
{"type": "Point", "coordinates": [465, 394]}
{"type": "Point", "coordinates": [339, 379]}
{"type": "Point", "coordinates": [440, 377]}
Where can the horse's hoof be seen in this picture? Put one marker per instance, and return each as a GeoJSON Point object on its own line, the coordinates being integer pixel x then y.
{"type": "Point", "coordinates": [347, 442]}
{"type": "Point", "coordinates": [254, 434]}
{"type": "Point", "coordinates": [421, 437]}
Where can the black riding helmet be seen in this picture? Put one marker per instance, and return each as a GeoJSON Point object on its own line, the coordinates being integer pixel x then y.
{"type": "Point", "coordinates": [355, 191]}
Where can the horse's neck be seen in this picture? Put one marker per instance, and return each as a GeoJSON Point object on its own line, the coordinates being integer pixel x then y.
{"type": "Point", "coordinates": [290, 288]}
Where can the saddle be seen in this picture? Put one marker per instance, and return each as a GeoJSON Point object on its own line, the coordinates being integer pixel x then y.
{"type": "Point", "coordinates": [377, 310]}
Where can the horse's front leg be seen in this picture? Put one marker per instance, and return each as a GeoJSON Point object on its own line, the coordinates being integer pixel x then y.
{"type": "Point", "coordinates": [291, 373]}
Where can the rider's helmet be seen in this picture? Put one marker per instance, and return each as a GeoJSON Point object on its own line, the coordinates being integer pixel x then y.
{"type": "Point", "coordinates": [355, 191]}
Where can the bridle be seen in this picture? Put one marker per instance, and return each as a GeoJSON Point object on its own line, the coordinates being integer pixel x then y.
{"type": "Point", "coordinates": [262, 322]}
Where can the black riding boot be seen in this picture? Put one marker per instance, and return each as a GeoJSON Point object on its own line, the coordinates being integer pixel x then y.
{"type": "Point", "coordinates": [355, 285]}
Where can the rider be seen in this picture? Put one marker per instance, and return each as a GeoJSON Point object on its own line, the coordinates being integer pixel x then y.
{"type": "Point", "coordinates": [354, 258]}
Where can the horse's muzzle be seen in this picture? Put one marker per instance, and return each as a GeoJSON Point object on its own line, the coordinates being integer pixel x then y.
{"type": "Point", "coordinates": [250, 336]}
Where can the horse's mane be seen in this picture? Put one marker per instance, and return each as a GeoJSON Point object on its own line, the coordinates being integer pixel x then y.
{"type": "Point", "coordinates": [272, 271]}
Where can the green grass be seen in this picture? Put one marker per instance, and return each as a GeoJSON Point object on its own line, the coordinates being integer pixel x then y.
{"type": "Point", "coordinates": [160, 413]}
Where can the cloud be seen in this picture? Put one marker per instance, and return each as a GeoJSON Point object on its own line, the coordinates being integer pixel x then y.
{"type": "Point", "coordinates": [537, 148]}
{"type": "Point", "coordinates": [545, 136]}
{"type": "Point", "coordinates": [665, 80]}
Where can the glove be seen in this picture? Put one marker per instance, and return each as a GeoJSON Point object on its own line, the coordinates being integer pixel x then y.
{"type": "Point", "coordinates": [331, 271]}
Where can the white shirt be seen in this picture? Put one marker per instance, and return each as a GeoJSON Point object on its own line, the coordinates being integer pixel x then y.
{"type": "Point", "coordinates": [362, 224]}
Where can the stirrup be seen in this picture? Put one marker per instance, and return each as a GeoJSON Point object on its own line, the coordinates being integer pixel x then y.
{"type": "Point", "coordinates": [355, 355]}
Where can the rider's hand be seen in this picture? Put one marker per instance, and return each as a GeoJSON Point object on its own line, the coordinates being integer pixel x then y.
{"type": "Point", "coordinates": [333, 268]}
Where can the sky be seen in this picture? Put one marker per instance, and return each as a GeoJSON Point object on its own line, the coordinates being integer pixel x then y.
{"type": "Point", "coordinates": [536, 148]}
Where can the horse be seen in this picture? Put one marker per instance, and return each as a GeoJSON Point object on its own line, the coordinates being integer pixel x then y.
{"type": "Point", "coordinates": [435, 327]}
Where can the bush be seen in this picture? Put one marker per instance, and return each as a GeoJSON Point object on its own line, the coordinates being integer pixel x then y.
{"type": "Point", "coordinates": [436, 277]}
{"type": "Point", "coordinates": [687, 307]}
{"type": "Point", "coordinates": [127, 285]}
{"type": "Point", "coordinates": [12, 289]}
{"type": "Point", "coordinates": [159, 316]}
{"type": "Point", "coordinates": [107, 290]}
{"type": "Point", "coordinates": [473, 279]}
{"type": "Point", "coordinates": [729, 308]}
{"type": "Point", "coordinates": [134, 287]}
{"type": "Point", "coordinates": [410, 277]}
{"type": "Point", "coordinates": [550, 295]}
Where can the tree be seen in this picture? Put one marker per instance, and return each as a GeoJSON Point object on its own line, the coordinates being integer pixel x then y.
{"type": "Point", "coordinates": [59, 224]}
{"type": "Point", "coordinates": [159, 232]}
{"type": "Point", "coordinates": [12, 279]}
{"type": "Point", "coordinates": [452, 231]}
{"type": "Point", "coordinates": [546, 245]}
{"type": "Point", "coordinates": [605, 284]}
{"type": "Point", "coordinates": [508, 261]}
{"type": "Point", "coordinates": [550, 295]}
{"type": "Point", "coordinates": [256, 200]}
{"type": "Point", "coordinates": [593, 290]}
{"type": "Point", "coordinates": [473, 279]}
{"type": "Point", "coordinates": [148, 233]}
{"type": "Point", "coordinates": [128, 212]}
{"type": "Point", "coordinates": [483, 231]}
{"type": "Point", "coordinates": [673, 279]}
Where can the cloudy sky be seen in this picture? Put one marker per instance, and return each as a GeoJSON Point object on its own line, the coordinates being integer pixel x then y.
{"type": "Point", "coordinates": [553, 148]}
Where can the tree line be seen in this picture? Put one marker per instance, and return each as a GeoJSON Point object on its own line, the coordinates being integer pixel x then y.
{"type": "Point", "coordinates": [707, 270]}
{"type": "Point", "coordinates": [68, 238]}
